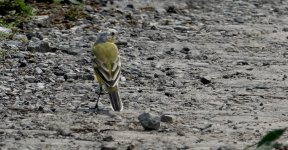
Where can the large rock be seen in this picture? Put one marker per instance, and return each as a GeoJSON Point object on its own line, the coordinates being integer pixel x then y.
{"type": "Point", "coordinates": [149, 121]}
{"type": "Point", "coordinates": [37, 45]}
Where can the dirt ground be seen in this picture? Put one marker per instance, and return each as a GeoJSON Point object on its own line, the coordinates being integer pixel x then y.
{"type": "Point", "coordinates": [218, 67]}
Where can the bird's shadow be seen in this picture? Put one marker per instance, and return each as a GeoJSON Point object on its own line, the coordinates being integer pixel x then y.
{"type": "Point", "coordinates": [98, 111]}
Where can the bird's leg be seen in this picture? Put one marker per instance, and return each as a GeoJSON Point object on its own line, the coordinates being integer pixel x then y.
{"type": "Point", "coordinates": [99, 94]}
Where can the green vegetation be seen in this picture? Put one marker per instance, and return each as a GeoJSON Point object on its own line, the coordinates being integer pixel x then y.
{"type": "Point", "coordinates": [64, 16]}
{"type": "Point", "coordinates": [268, 142]}
{"type": "Point", "coordinates": [14, 12]}
{"type": "Point", "coordinates": [74, 13]}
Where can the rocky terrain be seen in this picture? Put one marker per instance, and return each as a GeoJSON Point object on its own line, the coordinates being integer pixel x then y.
{"type": "Point", "coordinates": [217, 70]}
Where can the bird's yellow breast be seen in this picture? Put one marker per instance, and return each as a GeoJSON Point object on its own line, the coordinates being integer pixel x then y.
{"type": "Point", "coordinates": [106, 52]}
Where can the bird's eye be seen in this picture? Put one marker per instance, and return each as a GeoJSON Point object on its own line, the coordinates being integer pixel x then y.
{"type": "Point", "coordinates": [112, 33]}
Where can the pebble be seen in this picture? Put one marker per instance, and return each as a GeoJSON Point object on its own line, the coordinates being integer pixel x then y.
{"type": "Point", "coordinates": [41, 85]}
{"type": "Point", "coordinates": [169, 94]}
{"type": "Point", "coordinates": [70, 76]}
{"type": "Point", "coordinates": [65, 131]}
{"type": "Point", "coordinates": [226, 147]}
{"type": "Point", "coordinates": [285, 29]}
{"type": "Point", "coordinates": [181, 28]}
{"type": "Point", "coordinates": [19, 55]}
{"type": "Point", "coordinates": [13, 44]}
{"type": "Point", "coordinates": [33, 35]}
{"type": "Point", "coordinates": [72, 51]}
{"type": "Point", "coordinates": [168, 118]}
{"type": "Point", "coordinates": [185, 50]}
{"type": "Point", "coordinates": [180, 133]}
{"type": "Point", "coordinates": [205, 80]}
{"type": "Point", "coordinates": [23, 63]}
{"type": "Point", "coordinates": [108, 138]}
{"type": "Point", "coordinates": [171, 9]}
{"type": "Point", "coordinates": [41, 20]}
{"type": "Point", "coordinates": [123, 79]}
{"type": "Point", "coordinates": [149, 121]}
{"type": "Point", "coordinates": [20, 37]}
{"type": "Point", "coordinates": [5, 30]}
{"type": "Point", "coordinates": [239, 20]}
{"type": "Point", "coordinates": [109, 146]}
{"type": "Point", "coordinates": [38, 70]}
{"type": "Point", "coordinates": [38, 46]}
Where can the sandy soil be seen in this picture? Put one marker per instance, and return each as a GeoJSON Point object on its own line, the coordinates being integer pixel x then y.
{"type": "Point", "coordinates": [218, 67]}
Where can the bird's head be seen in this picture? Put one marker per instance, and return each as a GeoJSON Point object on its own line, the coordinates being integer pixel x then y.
{"type": "Point", "coordinates": [107, 36]}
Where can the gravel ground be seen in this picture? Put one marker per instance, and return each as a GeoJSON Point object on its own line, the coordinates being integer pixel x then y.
{"type": "Point", "coordinates": [214, 71]}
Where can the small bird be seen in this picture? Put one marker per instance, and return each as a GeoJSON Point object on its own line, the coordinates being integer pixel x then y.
{"type": "Point", "coordinates": [107, 67]}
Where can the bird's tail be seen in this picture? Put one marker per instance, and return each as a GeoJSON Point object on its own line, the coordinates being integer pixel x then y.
{"type": "Point", "coordinates": [115, 99]}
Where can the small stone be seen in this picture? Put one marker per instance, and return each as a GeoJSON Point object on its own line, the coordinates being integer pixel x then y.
{"type": "Point", "coordinates": [17, 138]}
{"type": "Point", "coordinates": [180, 133]}
{"type": "Point", "coordinates": [20, 37]}
{"type": "Point", "coordinates": [18, 55]}
{"type": "Point", "coordinates": [151, 58]}
{"type": "Point", "coordinates": [169, 94]}
{"type": "Point", "coordinates": [108, 138]}
{"type": "Point", "coordinates": [242, 63]}
{"type": "Point", "coordinates": [153, 27]}
{"type": "Point", "coordinates": [59, 72]}
{"type": "Point", "coordinates": [167, 118]}
{"type": "Point", "coordinates": [171, 9]}
{"type": "Point", "coordinates": [23, 63]}
{"type": "Point", "coordinates": [149, 121]}
{"type": "Point", "coordinates": [205, 80]}
{"type": "Point", "coordinates": [38, 46]}
{"type": "Point", "coordinates": [181, 28]}
{"type": "Point", "coordinates": [87, 77]}
{"type": "Point", "coordinates": [53, 109]}
{"type": "Point", "coordinates": [160, 89]}
{"type": "Point", "coordinates": [130, 6]}
{"type": "Point", "coordinates": [239, 20]}
{"type": "Point", "coordinates": [170, 73]}
{"type": "Point", "coordinates": [72, 51]}
{"type": "Point", "coordinates": [109, 146]}
{"type": "Point", "coordinates": [40, 108]}
{"type": "Point", "coordinates": [41, 85]}
{"type": "Point", "coordinates": [92, 38]}
{"type": "Point", "coordinates": [70, 76]}
{"type": "Point", "coordinates": [5, 30]}
{"type": "Point", "coordinates": [185, 50]}
{"type": "Point", "coordinates": [189, 57]}
{"type": "Point", "coordinates": [131, 147]}
{"type": "Point", "coordinates": [122, 41]}
{"type": "Point", "coordinates": [64, 131]}
{"type": "Point", "coordinates": [38, 70]}
{"type": "Point", "coordinates": [123, 79]}
{"type": "Point", "coordinates": [89, 8]}
{"type": "Point", "coordinates": [285, 29]}
{"type": "Point", "coordinates": [41, 20]}
{"type": "Point", "coordinates": [226, 147]}
{"type": "Point", "coordinates": [13, 44]}
{"type": "Point", "coordinates": [284, 77]}
{"type": "Point", "coordinates": [37, 35]}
